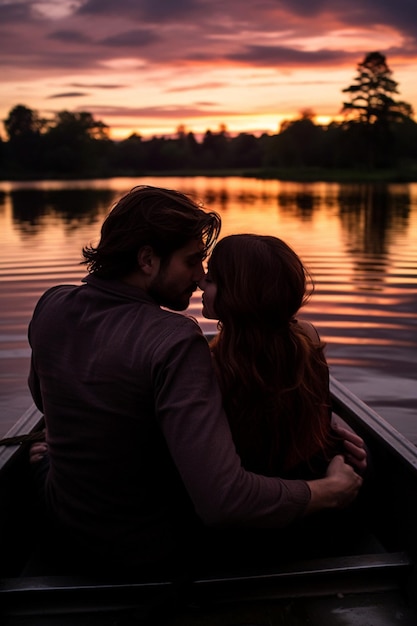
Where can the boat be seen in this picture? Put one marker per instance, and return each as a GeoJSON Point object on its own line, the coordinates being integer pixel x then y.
{"type": "Point", "coordinates": [376, 586]}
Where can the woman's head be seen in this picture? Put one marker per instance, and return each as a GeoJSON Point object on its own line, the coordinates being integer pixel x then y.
{"type": "Point", "coordinates": [254, 279]}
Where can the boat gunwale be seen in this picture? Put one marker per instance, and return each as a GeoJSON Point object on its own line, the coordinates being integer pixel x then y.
{"type": "Point", "coordinates": [359, 415]}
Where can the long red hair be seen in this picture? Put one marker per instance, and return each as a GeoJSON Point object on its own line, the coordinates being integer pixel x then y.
{"type": "Point", "coordinates": [273, 376]}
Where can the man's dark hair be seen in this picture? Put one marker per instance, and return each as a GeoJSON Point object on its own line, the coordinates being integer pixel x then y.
{"type": "Point", "coordinates": [164, 219]}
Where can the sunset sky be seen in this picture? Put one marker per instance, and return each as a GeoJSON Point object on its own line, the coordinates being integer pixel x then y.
{"type": "Point", "coordinates": [149, 66]}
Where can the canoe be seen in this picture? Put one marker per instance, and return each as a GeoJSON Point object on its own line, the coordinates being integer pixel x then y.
{"type": "Point", "coordinates": [376, 586]}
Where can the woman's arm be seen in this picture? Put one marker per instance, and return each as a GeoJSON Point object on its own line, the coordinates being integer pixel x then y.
{"type": "Point", "coordinates": [337, 489]}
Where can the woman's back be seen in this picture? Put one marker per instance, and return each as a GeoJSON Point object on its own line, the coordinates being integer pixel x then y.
{"type": "Point", "coordinates": [278, 408]}
{"type": "Point", "coordinates": [271, 368]}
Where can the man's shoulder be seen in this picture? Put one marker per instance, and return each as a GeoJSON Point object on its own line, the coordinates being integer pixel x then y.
{"type": "Point", "coordinates": [55, 293]}
{"type": "Point", "coordinates": [166, 330]}
{"type": "Point", "coordinates": [174, 322]}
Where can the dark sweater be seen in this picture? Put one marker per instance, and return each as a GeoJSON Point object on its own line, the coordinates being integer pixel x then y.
{"type": "Point", "coordinates": [140, 448]}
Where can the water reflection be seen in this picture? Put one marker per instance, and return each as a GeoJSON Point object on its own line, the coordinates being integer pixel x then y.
{"type": "Point", "coordinates": [305, 202]}
{"type": "Point", "coordinates": [375, 218]}
{"type": "Point", "coordinates": [31, 207]}
{"type": "Point", "coordinates": [372, 214]}
{"type": "Point", "coordinates": [359, 241]}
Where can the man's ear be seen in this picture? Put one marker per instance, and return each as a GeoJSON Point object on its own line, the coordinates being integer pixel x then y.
{"type": "Point", "coordinates": [148, 261]}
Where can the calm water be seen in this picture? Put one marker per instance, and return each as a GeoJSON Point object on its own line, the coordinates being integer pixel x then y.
{"type": "Point", "coordinates": [359, 241]}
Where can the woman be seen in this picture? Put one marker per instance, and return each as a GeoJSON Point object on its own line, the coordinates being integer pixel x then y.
{"type": "Point", "coordinates": [270, 366]}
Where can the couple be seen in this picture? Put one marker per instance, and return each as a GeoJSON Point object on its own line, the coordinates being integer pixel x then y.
{"type": "Point", "coordinates": [141, 455]}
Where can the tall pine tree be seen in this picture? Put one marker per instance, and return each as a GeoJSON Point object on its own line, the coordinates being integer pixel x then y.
{"type": "Point", "coordinates": [372, 112]}
{"type": "Point", "coordinates": [372, 93]}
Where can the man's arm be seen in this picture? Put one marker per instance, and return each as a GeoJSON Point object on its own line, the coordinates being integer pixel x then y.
{"type": "Point", "coordinates": [192, 419]}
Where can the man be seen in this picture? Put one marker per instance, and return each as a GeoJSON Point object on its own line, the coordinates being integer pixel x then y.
{"type": "Point", "coordinates": [139, 446]}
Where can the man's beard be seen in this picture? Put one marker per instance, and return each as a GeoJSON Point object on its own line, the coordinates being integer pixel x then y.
{"type": "Point", "coordinates": [175, 302]}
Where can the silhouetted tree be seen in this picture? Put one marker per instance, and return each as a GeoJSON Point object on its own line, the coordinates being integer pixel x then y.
{"type": "Point", "coordinates": [187, 149]}
{"type": "Point", "coordinates": [372, 94]}
{"type": "Point", "coordinates": [298, 141]}
{"type": "Point", "coordinates": [373, 106]}
{"type": "Point", "coordinates": [406, 141]}
{"type": "Point", "coordinates": [379, 132]}
{"type": "Point", "coordinates": [128, 156]}
{"type": "Point", "coordinates": [24, 149]}
{"type": "Point", "coordinates": [76, 143]}
{"type": "Point", "coordinates": [192, 150]}
{"type": "Point", "coordinates": [23, 122]}
{"type": "Point", "coordinates": [245, 151]}
{"type": "Point", "coordinates": [78, 126]}
{"type": "Point", "coordinates": [215, 149]}
{"type": "Point", "coordinates": [2, 155]}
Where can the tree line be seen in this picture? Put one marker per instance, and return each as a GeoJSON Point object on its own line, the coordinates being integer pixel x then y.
{"type": "Point", "coordinates": [377, 132]}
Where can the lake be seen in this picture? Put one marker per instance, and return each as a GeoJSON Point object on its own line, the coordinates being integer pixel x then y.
{"type": "Point", "coordinates": [358, 240]}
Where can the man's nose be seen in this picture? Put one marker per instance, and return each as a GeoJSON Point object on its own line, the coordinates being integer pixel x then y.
{"type": "Point", "coordinates": [200, 274]}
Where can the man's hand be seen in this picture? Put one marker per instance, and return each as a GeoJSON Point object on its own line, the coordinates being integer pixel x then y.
{"type": "Point", "coordinates": [356, 454]}
{"type": "Point", "coordinates": [37, 451]}
{"type": "Point", "coordinates": [337, 489]}
{"type": "Point", "coordinates": [346, 481]}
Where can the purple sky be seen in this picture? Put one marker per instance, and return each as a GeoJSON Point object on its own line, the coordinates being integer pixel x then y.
{"type": "Point", "coordinates": [149, 66]}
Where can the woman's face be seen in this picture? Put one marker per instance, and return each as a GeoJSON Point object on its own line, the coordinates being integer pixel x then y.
{"type": "Point", "coordinates": [210, 289]}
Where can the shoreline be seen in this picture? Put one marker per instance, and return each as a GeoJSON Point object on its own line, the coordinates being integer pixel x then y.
{"type": "Point", "coordinates": [299, 175]}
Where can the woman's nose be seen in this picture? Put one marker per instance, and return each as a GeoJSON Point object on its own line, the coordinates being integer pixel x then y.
{"type": "Point", "coordinates": [202, 283]}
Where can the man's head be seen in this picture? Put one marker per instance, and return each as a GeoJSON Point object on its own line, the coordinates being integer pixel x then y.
{"type": "Point", "coordinates": [159, 222]}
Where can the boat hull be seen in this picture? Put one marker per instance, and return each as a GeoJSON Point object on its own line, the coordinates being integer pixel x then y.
{"type": "Point", "coordinates": [375, 586]}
